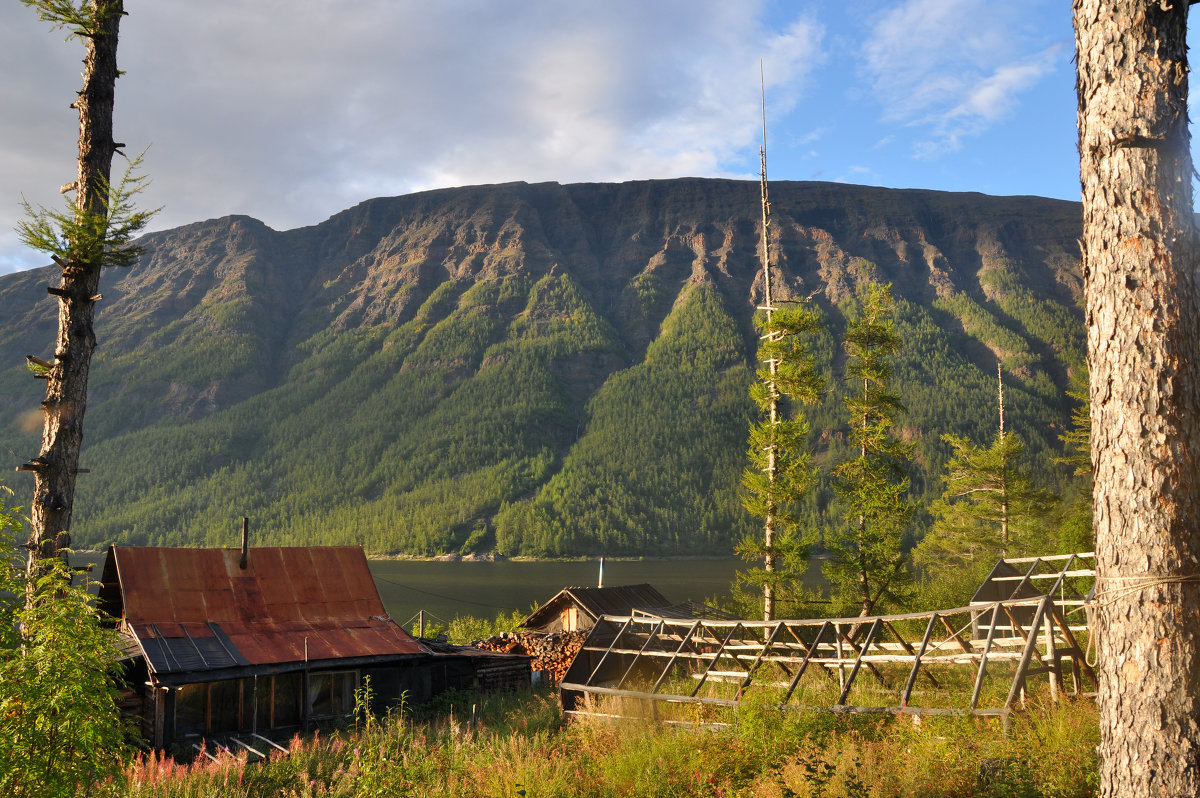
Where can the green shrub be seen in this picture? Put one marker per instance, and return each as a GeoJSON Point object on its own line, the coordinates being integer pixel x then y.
{"type": "Point", "coordinates": [60, 727]}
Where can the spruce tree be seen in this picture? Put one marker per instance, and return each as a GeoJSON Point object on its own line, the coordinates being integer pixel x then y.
{"type": "Point", "coordinates": [989, 509]}
{"type": "Point", "coordinates": [780, 470]}
{"type": "Point", "coordinates": [869, 560]}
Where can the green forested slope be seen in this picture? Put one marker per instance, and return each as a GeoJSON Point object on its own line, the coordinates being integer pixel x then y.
{"type": "Point", "coordinates": [539, 369]}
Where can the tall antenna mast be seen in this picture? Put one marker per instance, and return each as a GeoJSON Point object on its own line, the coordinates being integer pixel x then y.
{"type": "Point", "coordinates": [769, 564]}
{"type": "Point", "coordinates": [766, 203]}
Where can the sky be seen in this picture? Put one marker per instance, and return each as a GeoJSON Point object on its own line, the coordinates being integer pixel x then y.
{"type": "Point", "coordinates": [293, 110]}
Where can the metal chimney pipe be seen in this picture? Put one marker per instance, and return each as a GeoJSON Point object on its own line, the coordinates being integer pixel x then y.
{"type": "Point", "coordinates": [245, 543]}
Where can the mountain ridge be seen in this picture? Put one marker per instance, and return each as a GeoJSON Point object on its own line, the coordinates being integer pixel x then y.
{"type": "Point", "coordinates": [487, 339]}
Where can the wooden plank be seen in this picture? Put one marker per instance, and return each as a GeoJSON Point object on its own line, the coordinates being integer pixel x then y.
{"type": "Point", "coordinates": [987, 647]}
{"type": "Point", "coordinates": [271, 743]}
{"type": "Point", "coordinates": [1030, 644]}
{"type": "Point", "coordinates": [728, 702]}
{"type": "Point", "coordinates": [858, 662]}
{"type": "Point", "coordinates": [649, 639]}
{"type": "Point", "coordinates": [1050, 557]}
{"type": "Point", "coordinates": [804, 664]}
{"type": "Point", "coordinates": [912, 676]}
{"type": "Point", "coordinates": [260, 754]}
{"type": "Point", "coordinates": [766, 646]}
{"type": "Point", "coordinates": [716, 657]}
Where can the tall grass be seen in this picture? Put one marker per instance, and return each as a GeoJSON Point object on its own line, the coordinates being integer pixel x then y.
{"type": "Point", "coordinates": [518, 744]}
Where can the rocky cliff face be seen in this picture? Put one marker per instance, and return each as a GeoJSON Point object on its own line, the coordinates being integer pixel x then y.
{"type": "Point", "coordinates": [302, 374]}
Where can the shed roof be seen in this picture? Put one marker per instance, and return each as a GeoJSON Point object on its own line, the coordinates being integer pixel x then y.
{"type": "Point", "coordinates": [597, 601]}
{"type": "Point", "coordinates": [1004, 583]}
{"type": "Point", "coordinates": [198, 610]}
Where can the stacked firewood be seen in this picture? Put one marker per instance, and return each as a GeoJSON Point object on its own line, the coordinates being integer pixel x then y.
{"type": "Point", "coordinates": [552, 653]}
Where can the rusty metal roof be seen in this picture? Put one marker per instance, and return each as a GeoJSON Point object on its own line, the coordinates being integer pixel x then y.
{"type": "Point", "coordinates": [197, 609]}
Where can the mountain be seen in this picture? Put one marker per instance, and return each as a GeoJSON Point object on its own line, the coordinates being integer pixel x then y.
{"type": "Point", "coordinates": [543, 369]}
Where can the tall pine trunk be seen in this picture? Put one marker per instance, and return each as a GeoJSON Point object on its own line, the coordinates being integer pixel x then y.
{"type": "Point", "coordinates": [1143, 347]}
{"type": "Point", "coordinates": [57, 464]}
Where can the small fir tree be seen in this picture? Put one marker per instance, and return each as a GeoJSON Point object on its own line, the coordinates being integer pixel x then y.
{"type": "Point", "coordinates": [780, 470]}
{"type": "Point", "coordinates": [989, 509]}
{"type": "Point", "coordinates": [868, 562]}
{"type": "Point", "coordinates": [61, 731]}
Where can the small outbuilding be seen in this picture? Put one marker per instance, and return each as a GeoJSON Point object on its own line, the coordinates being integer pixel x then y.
{"type": "Point", "coordinates": [1068, 578]}
{"type": "Point", "coordinates": [575, 609]}
{"type": "Point", "coordinates": [262, 643]}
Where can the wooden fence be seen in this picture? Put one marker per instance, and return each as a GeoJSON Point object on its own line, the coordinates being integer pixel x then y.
{"type": "Point", "coordinates": [976, 660]}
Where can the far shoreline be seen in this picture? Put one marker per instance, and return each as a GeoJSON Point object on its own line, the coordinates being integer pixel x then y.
{"type": "Point", "coordinates": [490, 557]}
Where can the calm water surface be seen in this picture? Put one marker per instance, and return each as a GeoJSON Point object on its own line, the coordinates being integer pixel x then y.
{"type": "Point", "coordinates": [447, 589]}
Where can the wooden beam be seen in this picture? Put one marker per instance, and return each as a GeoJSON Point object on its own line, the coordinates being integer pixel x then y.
{"type": "Point", "coordinates": [667, 669]}
{"type": "Point", "coordinates": [766, 646]}
{"type": "Point", "coordinates": [804, 665]}
{"type": "Point", "coordinates": [858, 662]}
{"type": "Point", "coordinates": [912, 676]}
{"type": "Point", "coordinates": [987, 647]}
{"type": "Point", "coordinates": [1030, 644]}
{"type": "Point", "coordinates": [962, 643]}
{"type": "Point", "coordinates": [908, 646]}
{"type": "Point", "coordinates": [716, 657]}
{"type": "Point", "coordinates": [649, 639]}
{"type": "Point", "coordinates": [603, 657]}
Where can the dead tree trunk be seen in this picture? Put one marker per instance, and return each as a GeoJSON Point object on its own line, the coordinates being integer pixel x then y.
{"type": "Point", "coordinates": [57, 464]}
{"type": "Point", "coordinates": [1143, 315]}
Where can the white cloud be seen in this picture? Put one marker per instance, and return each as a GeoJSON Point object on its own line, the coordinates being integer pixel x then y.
{"type": "Point", "coordinates": [953, 68]}
{"type": "Point", "coordinates": [292, 111]}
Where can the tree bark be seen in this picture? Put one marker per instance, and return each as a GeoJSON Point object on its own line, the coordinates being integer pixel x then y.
{"type": "Point", "coordinates": [57, 463]}
{"type": "Point", "coordinates": [1143, 343]}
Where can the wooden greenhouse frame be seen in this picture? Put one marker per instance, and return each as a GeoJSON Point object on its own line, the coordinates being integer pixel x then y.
{"type": "Point", "coordinates": [975, 660]}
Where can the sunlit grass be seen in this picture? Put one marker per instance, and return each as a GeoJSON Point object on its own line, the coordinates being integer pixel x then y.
{"type": "Point", "coordinates": [520, 742]}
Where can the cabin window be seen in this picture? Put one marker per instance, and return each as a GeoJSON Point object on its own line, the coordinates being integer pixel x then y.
{"type": "Point", "coordinates": [286, 700]}
{"type": "Point", "coordinates": [279, 701]}
{"type": "Point", "coordinates": [331, 694]}
{"type": "Point", "coordinates": [224, 706]}
{"type": "Point", "coordinates": [210, 708]}
{"type": "Point", "coordinates": [191, 710]}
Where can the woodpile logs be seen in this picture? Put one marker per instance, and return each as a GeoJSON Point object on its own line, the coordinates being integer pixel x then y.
{"type": "Point", "coordinates": [552, 653]}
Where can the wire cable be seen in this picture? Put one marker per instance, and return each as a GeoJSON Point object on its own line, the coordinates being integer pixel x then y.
{"type": "Point", "coordinates": [455, 599]}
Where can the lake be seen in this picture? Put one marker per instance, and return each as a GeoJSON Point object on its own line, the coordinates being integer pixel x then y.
{"type": "Point", "coordinates": [447, 589]}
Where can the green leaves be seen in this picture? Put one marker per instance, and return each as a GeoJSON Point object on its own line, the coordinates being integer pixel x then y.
{"type": "Point", "coordinates": [988, 510]}
{"type": "Point", "coordinates": [780, 470]}
{"type": "Point", "coordinates": [868, 558]}
{"type": "Point", "coordinates": [60, 729]}
{"type": "Point", "coordinates": [75, 237]}
{"type": "Point", "coordinates": [82, 19]}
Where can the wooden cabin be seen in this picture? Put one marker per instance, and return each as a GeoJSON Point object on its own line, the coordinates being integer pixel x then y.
{"type": "Point", "coordinates": [575, 609]}
{"type": "Point", "coordinates": [265, 642]}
